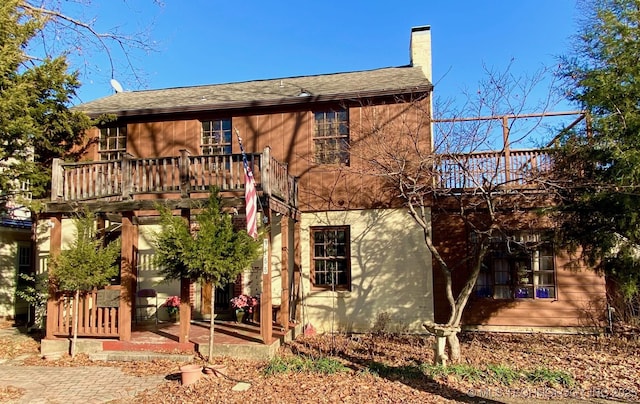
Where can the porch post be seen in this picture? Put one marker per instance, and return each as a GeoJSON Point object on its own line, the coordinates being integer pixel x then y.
{"type": "Point", "coordinates": [185, 180]}
{"type": "Point", "coordinates": [185, 296]}
{"type": "Point", "coordinates": [127, 179]}
{"type": "Point", "coordinates": [266, 316]}
{"type": "Point", "coordinates": [57, 180]}
{"type": "Point", "coordinates": [507, 149]}
{"type": "Point", "coordinates": [55, 245]}
{"type": "Point", "coordinates": [128, 275]}
{"type": "Point", "coordinates": [297, 269]}
{"type": "Point", "coordinates": [101, 227]}
{"type": "Point", "coordinates": [284, 272]}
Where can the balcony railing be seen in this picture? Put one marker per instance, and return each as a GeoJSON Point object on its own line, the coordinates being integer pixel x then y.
{"type": "Point", "coordinates": [185, 174]}
{"type": "Point", "coordinates": [507, 169]}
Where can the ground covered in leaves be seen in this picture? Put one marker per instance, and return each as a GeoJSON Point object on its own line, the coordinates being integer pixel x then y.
{"type": "Point", "coordinates": [388, 368]}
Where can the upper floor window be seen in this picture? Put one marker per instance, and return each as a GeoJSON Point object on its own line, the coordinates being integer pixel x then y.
{"type": "Point", "coordinates": [331, 137]}
{"type": "Point", "coordinates": [216, 137]}
{"type": "Point", "coordinates": [330, 260]}
{"type": "Point", "coordinates": [113, 142]}
{"type": "Point", "coordinates": [518, 270]}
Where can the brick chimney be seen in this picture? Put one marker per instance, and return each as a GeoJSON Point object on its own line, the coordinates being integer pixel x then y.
{"type": "Point", "coordinates": [420, 48]}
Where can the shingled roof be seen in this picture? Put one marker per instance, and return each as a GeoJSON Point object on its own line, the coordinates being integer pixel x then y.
{"type": "Point", "coordinates": [263, 93]}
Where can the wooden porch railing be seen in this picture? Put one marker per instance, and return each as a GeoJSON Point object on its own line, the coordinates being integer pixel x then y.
{"type": "Point", "coordinates": [94, 318]}
{"type": "Point", "coordinates": [277, 181]}
{"type": "Point", "coordinates": [184, 174]}
{"type": "Point", "coordinates": [509, 169]}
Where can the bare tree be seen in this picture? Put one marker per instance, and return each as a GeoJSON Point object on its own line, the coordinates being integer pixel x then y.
{"type": "Point", "coordinates": [69, 28]}
{"type": "Point", "coordinates": [463, 168]}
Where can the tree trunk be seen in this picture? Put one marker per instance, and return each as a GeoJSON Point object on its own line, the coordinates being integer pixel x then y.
{"type": "Point", "coordinates": [454, 347]}
{"type": "Point", "coordinates": [75, 323]}
{"type": "Point", "coordinates": [212, 322]}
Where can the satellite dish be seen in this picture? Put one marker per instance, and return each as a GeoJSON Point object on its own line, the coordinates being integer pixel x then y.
{"type": "Point", "coordinates": [116, 86]}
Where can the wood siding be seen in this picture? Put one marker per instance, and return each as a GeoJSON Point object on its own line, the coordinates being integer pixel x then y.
{"type": "Point", "coordinates": [289, 134]}
{"type": "Point", "coordinates": [580, 291]}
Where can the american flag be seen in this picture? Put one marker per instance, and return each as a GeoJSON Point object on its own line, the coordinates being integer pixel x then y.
{"type": "Point", "coordinates": [250, 195]}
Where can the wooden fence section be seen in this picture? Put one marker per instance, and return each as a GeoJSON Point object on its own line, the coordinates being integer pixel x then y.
{"type": "Point", "coordinates": [508, 169]}
{"type": "Point", "coordinates": [95, 318]}
{"type": "Point", "coordinates": [123, 179]}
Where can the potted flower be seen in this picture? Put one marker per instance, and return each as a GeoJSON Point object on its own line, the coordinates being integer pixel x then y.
{"type": "Point", "coordinates": [173, 305]}
{"type": "Point", "coordinates": [244, 305]}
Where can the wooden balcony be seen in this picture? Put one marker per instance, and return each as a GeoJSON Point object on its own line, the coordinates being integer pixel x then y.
{"type": "Point", "coordinates": [130, 177]}
{"type": "Point", "coordinates": [510, 169]}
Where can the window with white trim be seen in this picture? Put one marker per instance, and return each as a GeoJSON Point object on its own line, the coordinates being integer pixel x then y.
{"type": "Point", "coordinates": [112, 143]}
{"type": "Point", "coordinates": [331, 137]}
{"type": "Point", "coordinates": [516, 269]}
{"type": "Point", "coordinates": [216, 137]}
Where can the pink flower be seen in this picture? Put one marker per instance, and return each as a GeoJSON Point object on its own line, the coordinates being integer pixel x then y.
{"type": "Point", "coordinates": [172, 301]}
{"type": "Point", "coordinates": [244, 302]}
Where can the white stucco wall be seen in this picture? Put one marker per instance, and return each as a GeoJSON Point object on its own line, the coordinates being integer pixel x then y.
{"type": "Point", "coordinates": [148, 274]}
{"type": "Point", "coordinates": [390, 272]}
{"type": "Point", "coordinates": [9, 239]}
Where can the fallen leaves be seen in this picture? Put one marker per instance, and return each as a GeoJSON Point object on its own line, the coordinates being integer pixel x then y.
{"type": "Point", "coordinates": [17, 345]}
{"type": "Point", "coordinates": [10, 393]}
{"type": "Point", "coordinates": [387, 369]}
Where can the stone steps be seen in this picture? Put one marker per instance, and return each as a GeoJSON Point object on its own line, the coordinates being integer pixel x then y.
{"type": "Point", "coordinates": [130, 356]}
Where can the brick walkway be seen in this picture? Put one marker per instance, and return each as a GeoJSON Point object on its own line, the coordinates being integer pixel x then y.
{"type": "Point", "coordinates": [87, 384]}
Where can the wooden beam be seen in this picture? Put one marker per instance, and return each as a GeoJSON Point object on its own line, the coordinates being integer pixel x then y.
{"type": "Point", "coordinates": [506, 148]}
{"type": "Point", "coordinates": [284, 272]}
{"type": "Point", "coordinates": [297, 270]}
{"type": "Point", "coordinates": [266, 315]}
{"type": "Point", "coordinates": [265, 170]}
{"type": "Point", "coordinates": [510, 116]}
{"type": "Point", "coordinates": [185, 296]}
{"type": "Point", "coordinates": [139, 204]}
{"type": "Point", "coordinates": [57, 179]}
{"type": "Point", "coordinates": [128, 275]}
{"type": "Point", "coordinates": [127, 186]}
{"type": "Point", "coordinates": [185, 180]}
{"type": "Point", "coordinates": [55, 246]}
{"type": "Point", "coordinates": [282, 208]}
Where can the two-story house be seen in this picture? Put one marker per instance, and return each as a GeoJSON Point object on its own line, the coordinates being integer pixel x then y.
{"type": "Point", "coordinates": [339, 249]}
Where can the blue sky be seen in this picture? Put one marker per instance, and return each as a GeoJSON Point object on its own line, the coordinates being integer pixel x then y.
{"type": "Point", "coordinates": [205, 42]}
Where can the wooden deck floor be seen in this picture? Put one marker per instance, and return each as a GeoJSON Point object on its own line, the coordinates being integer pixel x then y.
{"type": "Point", "coordinates": [230, 338]}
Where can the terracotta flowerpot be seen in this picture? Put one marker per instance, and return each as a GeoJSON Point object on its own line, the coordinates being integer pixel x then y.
{"type": "Point", "coordinates": [215, 370]}
{"type": "Point", "coordinates": [190, 374]}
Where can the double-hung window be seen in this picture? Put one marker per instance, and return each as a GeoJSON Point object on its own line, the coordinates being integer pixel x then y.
{"type": "Point", "coordinates": [331, 137]}
{"type": "Point", "coordinates": [330, 260]}
{"type": "Point", "coordinates": [518, 270]}
{"type": "Point", "coordinates": [112, 143]}
{"type": "Point", "coordinates": [216, 137]}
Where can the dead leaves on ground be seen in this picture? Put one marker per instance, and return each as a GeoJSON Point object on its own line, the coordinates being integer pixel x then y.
{"type": "Point", "coordinates": [10, 393]}
{"type": "Point", "coordinates": [601, 367]}
{"type": "Point", "coordinates": [17, 345]}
